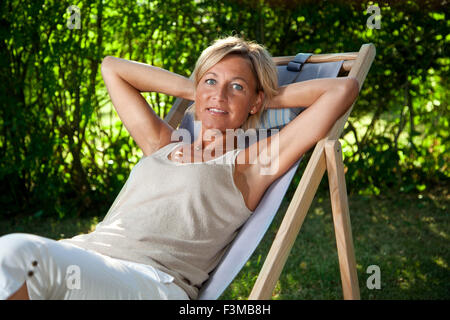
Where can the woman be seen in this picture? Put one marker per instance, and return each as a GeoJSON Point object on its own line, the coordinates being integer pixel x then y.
{"type": "Point", "coordinates": [180, 208]}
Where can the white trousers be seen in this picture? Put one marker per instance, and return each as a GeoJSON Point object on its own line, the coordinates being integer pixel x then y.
{"type": "Point", "coordinates": [55, 270]}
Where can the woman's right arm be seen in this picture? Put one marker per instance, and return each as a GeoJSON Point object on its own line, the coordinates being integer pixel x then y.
{"type": "Point", "coordinates": [125, 80]}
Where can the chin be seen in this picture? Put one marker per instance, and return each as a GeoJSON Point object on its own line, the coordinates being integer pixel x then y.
{"type": "Point", "coordinates": [208, 122]}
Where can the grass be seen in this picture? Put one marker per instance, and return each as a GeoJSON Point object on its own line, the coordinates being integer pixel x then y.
{"type": "Point", "coordinates": [405, 235]}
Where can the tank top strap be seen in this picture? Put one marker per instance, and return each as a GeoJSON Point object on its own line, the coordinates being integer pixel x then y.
{"type": "Point", "coordinates": [168, 148]}
{"type": "Point", "coordinates": [230, 157]}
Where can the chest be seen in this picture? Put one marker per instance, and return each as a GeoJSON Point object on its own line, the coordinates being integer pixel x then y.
{"type": "Point", "coordinates": [246, 181]}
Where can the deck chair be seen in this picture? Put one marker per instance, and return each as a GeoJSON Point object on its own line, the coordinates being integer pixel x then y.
{"type": "Point", "coordinates": [327, 155]}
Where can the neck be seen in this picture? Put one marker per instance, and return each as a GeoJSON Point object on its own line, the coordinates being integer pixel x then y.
{"type": "Point", "coordinates": [214, 139]}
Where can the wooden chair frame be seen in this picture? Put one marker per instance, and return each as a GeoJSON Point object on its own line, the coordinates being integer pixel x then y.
{"type": "Point", "coordinates": [327, 155]}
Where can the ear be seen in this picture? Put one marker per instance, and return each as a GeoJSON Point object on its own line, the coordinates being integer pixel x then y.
{"type": "Point", "coordinates": [257, 105]}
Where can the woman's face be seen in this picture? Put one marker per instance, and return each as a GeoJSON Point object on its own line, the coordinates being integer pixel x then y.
{"type": "Point", "coordinates": [226, 94]}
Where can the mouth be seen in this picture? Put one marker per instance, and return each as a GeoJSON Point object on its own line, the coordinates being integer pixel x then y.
{"type": "Point", "coordinates": [216, 111]}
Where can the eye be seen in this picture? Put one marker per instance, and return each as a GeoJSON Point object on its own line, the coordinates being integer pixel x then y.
{"type": "Point", "coordinates": [237, 86]}
{"type": "Point", "coordinates": [210, 81]}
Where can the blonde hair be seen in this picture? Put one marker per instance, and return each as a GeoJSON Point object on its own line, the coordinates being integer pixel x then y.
{"type": "Point", "coordinates": [263, 68]}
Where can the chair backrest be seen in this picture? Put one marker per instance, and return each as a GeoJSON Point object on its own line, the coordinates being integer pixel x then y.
{"type": "Point", "coordinates": [252, 232]}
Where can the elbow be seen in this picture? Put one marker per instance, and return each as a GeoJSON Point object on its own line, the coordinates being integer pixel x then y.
{"type": "Point", "coordinates": [348, 91]}
{"type": "Point", "coordinates": [106, 64]}
{"type": "Point", "coordinates": [352, 88]}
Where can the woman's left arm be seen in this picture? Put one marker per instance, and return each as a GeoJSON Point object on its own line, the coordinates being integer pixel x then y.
{"type": "Point", "coordinates": [305, 93]}
{"type": "Point", "coordinates": [326, 100]}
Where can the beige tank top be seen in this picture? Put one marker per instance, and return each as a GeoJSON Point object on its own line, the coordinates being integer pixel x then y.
{"type": "Point", "coordinates": [177, 217]}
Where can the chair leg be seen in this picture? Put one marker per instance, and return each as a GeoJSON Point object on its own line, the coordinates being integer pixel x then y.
{"type": "Point", "coordinates": [326, 156]}
{"type": "Point", "coordinates": [341, 219]}
{"type": "Point", "coordinates": [290, 226]}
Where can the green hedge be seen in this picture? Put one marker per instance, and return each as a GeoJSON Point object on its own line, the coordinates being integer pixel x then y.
{"type": "Point", "coordinates": [64, 151]}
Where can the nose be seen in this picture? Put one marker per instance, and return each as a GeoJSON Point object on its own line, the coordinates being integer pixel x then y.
{"type": "Point", "coordinates": [220, 94]}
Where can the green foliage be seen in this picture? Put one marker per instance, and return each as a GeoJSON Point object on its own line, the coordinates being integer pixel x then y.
{"type": "Point", "coordinates": [64, 151]}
